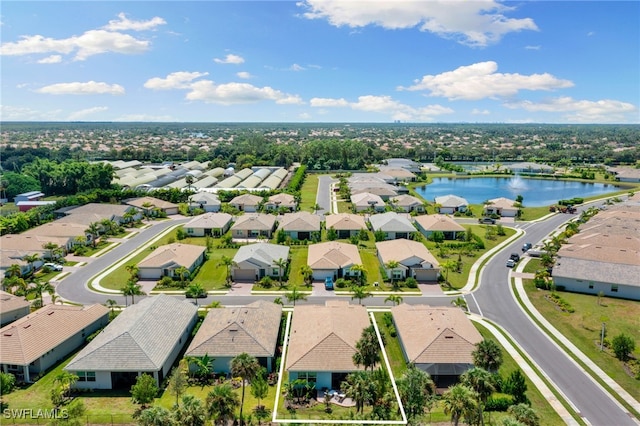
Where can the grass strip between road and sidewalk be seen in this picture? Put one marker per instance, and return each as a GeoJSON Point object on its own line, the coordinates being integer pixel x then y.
{"type": "Point", "coordinates": [571, 354]}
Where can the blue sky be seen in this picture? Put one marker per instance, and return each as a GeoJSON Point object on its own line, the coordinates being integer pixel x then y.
{"type": "Point", "coordinates": [321, 61]}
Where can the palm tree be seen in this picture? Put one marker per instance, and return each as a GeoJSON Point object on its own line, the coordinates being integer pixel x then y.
{"type": "Point", "coordinates": [367, 349]}
{"type": "Point", "coordinates": [281, 264]}
{"type": "Point", "coordinates": [133, 271]}
{"type": "Point", "coordinates": [487, 355]}
{"type": "Point", "coordinates": [459, 401]}
{"type": "Point", "coordinates": [195, 291]}
{"type": "Point", "coordinates": [357, 387]}
{"type": "Point", "coordinates": [295, 295]}
{"type": "Point", "coordinates": [111, 304]}
{"type": "Point", "coordinates": [189, 181]}
{"type": "Point", "coordinates": [393, 298]}
{"type": "Point", "coordinates": [50, 247]}
{"type": "Point", "coordinates": [183, 274]}
{"type": "Point", "coordinates": [459, 302]}
{"type": "Point", "coordinates": [360, 269]}
{"type": "Point", "coordinates": [391, 265]}
{"type": "Point", "coordinates": [65, 380]}
{"type": "Point", "coordinates": [228, 262]}
{"type": "Point", "coordinates": [481, 381]}
{"type": "Point", "coordinates": [108, 226]}
{"type": "Point", "coordinates": [94, 231]}
{"type": "Point", "coordinates": [221, 403]}
{"type": "Point", "coordinates": [14, 270]}
{"type": "Point", "coordinates": [191, 413]}
{"type": "Point", "coordinates": [448, 266]}
{"type": "Point", "coordinates": [246, 367]}
{"type": "Point", "coordinates": [307, 274]}
{"type": "Point", "coordinates": [359, 292]}
{"type": "Point", "coordinates": [132, 289]}
{"type": "Point", "coordinates": [204, 366]}
{"type": "Point", "coordinates": [40, 287]}
{"type": "Point", "coordinates": [31, 259]}
{"type": "Point", "coordinates": [155, 416]}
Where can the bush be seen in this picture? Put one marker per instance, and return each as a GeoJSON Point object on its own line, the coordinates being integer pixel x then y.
{"type": "Point", "coordinates": [411, 282]}
{"type": "Point", "coordinates": [392, 331]}
{"type": "Point", "coordinates": [499, 403]}
{"type": "Point", "coordinates": [341, 283]}
{"type": "Point", "coordinates": [623, 346]}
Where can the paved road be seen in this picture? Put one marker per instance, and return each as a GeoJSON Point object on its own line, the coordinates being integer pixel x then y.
{"type": "Point", "coordinates": [323, 197]}
{"type": "Point", "coordinates": [495, 302]}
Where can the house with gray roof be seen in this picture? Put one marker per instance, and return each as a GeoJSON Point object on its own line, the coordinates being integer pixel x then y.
{"type": "Point", "coordinates": [253, 225]}
{"type": "Point", "coordinates": [501, 206]}
{"type": "Point", "coordinates": [281, 201]}
{"type": "Point", "coordinates": [407, 203]}
{"type": "Point", "coordinates": [164, 260]}
{"type": "Point", "coordinates": [255, 261]}
{"type": "Point", "coordinates": [148, 204]}
{"type": "Point", "coordinates": [209, 224]}
{"type": "Point", "coordinates": [393, 225]}
{"type": "Point", "coordinates": [322, 342]}
{"type": "Point", "coordinates": [206, 201]}
{"type": "Point", "coordinates": [300, 226]}
{"type": "Point", "coordinates": [227, 332]}
{"type": "Point", "coordinates": [364, 201]}
{"type": "Point", "coordinates": [428, 224]}
{"type": "Point", "coordinates": [246, 202]}
{"type": "Point", "coordinates": [439, 340]}
{"type": "Point", "coordinates": [12, 308]}
{"type": "Point", "coordinates": [34, 343]}
{"type": "Point", "coordinates": [345, 224]}
{"type": "Point", "coordinates": [414, 260]}
{"type": "Point", "coordinates": [101, 211]}
{"type": "Point", "coordinates": [449, 204]}
{"type": "Point", "coordinates": [145, 338]}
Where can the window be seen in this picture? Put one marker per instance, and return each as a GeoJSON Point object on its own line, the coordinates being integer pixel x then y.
{"type": "Point", "coordinates": [86, 376]}
{"type": "Point", "coordinates": [189, 230]}
{"type": "Point", "coordinates": [614, 288]}
{"type": "Point", "coordinates": [275, 271]}
{"type": "Point", "coordinates": [309, 377]}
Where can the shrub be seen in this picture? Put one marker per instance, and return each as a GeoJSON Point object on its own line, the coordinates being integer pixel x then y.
{"type": "Point", "coordinates": [411, 282]}
{"type": "Point", "coordinates": [499, 403]}
{"type": "Point", "coordinates": [341, 283]}
{"type": "Point", "coordinates": [623, 346]}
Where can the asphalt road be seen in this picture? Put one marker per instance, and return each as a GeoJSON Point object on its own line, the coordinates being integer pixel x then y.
{"type": "Point", "coordinates": [323, 198]}
{"type": "Point", "coordinates": [492, 299]}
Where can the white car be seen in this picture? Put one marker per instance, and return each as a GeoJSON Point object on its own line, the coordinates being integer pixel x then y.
{"type": "Point", "coordinates": [511, 263]}
{"type": "Point", "coordinates": [53, 266]}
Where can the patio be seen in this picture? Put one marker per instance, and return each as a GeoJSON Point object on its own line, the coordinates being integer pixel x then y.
{"type": "Point", "coordinates": [335, 397]}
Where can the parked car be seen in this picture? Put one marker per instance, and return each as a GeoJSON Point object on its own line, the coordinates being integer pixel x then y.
{"type": "Point", "coordinates": [526, 247]}
{"type": "Point", "coordinates": [488, 220]}
{"type": "Point", "coordinates": [328, 283]}
{"type": "Point", "coordinates": [53, 266]}
{"type": "Point", "coordinates": [511, 263]}
{"type": "Point", "coordinates": [515, 257]}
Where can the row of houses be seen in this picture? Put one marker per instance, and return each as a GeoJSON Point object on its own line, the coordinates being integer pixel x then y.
{"type": "Point", "coordinates": [604, 256]}
{"type": "Point", "coordinates": [149, 336]}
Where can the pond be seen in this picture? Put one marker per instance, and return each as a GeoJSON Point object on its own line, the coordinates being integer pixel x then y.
{"type": "Point", "coordinates": [536, 192]}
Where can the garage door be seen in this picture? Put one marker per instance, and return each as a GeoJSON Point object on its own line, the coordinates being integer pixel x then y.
{"type": "Point", "coordinates": [321, 274]}
{"type": "Point", "coordinates": [244, 275]}
{"type": "Point", "coordinates": [426, 275]}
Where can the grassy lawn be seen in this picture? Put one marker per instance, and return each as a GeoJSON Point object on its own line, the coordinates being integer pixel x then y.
{"type": "Point", "coordinates": [308, 192]}
{"type": "Point", "coordinates": [372, 265]}
{"type": "Point", "coordinates": [212, 275]}
{"type": "Point", "coordinates": [583, 328]}
{"type": "Point", "coordinates": [298, 256]}
{"type": "Point", "coordinates": [392, 348]}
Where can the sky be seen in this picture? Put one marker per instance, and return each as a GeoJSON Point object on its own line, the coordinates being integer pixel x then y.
{"type": "Point", "coordinates": [325, 61]}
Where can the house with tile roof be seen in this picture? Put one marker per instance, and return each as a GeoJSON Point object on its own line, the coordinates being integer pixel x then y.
{"type": "Point", "coordinates": [333, 259]}
{"type": "Point", "coordinates": [253, 225]}
{"type": "Point", "coordinates": [206, 201]}
{"type": "Point", "coordinates": [227, 332]}
{"type": "Point", "coordinates": [439, 340]}
{"type": "Point", "coordinates": [300, 226]}
{"type": "Point", "coordinates": [428, 224]}
{"type": "Point", "coordinates": [246, 202]}
{"type": "Point", "coordinates": [501, 206]}
{"type": "Point", "coordinates": [414, 260]}
{"type": "Point", "coordinates": [281, 201]}
{"type": "Point", "coordinates": [252, 262]}
{"type": "Point", "coordinates": [365, 200]}
{"type": "Point", "coordinates": [144, 338]}
{"type": "Point", "coordinates": [149, 203]}
{"type": "Point", "coordinates": [209, 224]}
{"type": "Point", "coordinates": [100, 211]}
{"type": "Point", "coordinates": [394, 225]}
{"type": "Point", "coordinates": [345, 224]}
{"type": "Point", "coordinates": [164, 260]}
{"type": "Point", "coordinates": [35, 343]}
{"type": "Point", "coordinates": [12, 308]}
{"type": "Point", "coordinates": [322, 341]}
{"type": "Point", "coordinates": [407, 203]}
{"type": "Point", "coordinates": [449, 204]}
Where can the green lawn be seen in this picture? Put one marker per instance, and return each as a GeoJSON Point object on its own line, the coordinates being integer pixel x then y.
{"type": "Point", "coordinates": [392, 348]}
{"type": "Point", "coordinates": [583, 328]}
{"type": "Point", "coordinates": [298, 255]}
{"type": "Point", "coordinates": [212, 274]}
{"type": "Point", "coordinates": [372, 265]}
{"type": "Point", "coordinates": [308, 192]}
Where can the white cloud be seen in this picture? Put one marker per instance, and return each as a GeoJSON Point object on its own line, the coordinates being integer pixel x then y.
{"type": "Point", "coordinates": [582, 111]}
{"type": "Point", "coordinates": [144, 118]}
{"type": "Point", "coordinates": [78, 88]}
{"type": "Point", "coordinates": [235, 93]}
{"type": "Point", "coordinates": [13, 113]}
{"type": "Point", "coordinates": [385, 105]}
{"type": "Point", "coordinates": [532, 47]}
{"type": "Point", "coordinates": [230, 59]}
{"type": "Point", "coordinates": [244, 75]}
{"type": "Point", "coordinates": [78, 115]}
{"type": "Point", "coordinates": [479, 81]}
{"type": "Point", "coordinates": [175, 80]}
{"type": "Point", "coordinates": [124, 24]}
{"type": "Point", "coordinates": [53, 59]}
{"type": "Point", "coordinates": [477, 111]}
{"type": "Point", "coordinates": [296, 67]}
{"type": "Point", "coordinates": [474, 23]}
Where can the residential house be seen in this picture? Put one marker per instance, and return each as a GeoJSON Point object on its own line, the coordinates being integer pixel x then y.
{"type": "Point", "coordinates": [407, 203]}
{"type": "Point", "coordinates": [96, 212]}
{"type": "Point", "coordinates": [253, 225]}
{"type": "Point", "coordinates": [385, 191]}
{"type": "Point", "coordinates": [438, 340]}
{"type": "Point", "coordinates": [502, 207]}
{"type": "Point", "coordinates": [449, 204]}
{"type": "Point", "coordinates": [365, 201]}
{"type": "Point", "coordinates": [333, 259]}
{"type": "Point", "coordinates": [345, 224]}
{"type": "Point", "coordinates": [28, 196]}
{"type": "Point", "coordinates": [12, 308]}
{"type": "Point", "coordinates": [281, 201]}
{"type": "Point", "coordinates": [209, 224]}
{"type": "Point", "coordinates": [404, 163]}
{"type": "Point", "coordinates": [252, 262]}
{"type": "Point", "coordinates": [227, 332]}
{"type": "Point", "coordinates": [626, 174]}
{"type": "Point", "coordinates": [10, 257]}
{"type": "Point", "coordinates": [149, 204]}
{"type": "Point", "coordinates": [400, 174]}
{"type": "Point", "coordinates": [246, 203]}
{"type": "Point", "coordinates": [301, 226]}
{"type": "Point", "coordinates": [144, 338]}
{"type": "Point", "coordinates": [414, 260]}
{"type": "Point", "coordinates": [33, 344]}
{"type": "Point", "coordinates": [69, 233]}
{"type": "Point", "coordinates": [24, 206]}
{"type": "Point", "coordinates": [206, 201]}
{"type": "Point", "coordinates": [428, 224]}
{"type": "Point", "coordinates": [394, 225]}
{"type": "Point", "coordinates": [322, 342]}
{"type": "Point", "coordinates": [164, 260]}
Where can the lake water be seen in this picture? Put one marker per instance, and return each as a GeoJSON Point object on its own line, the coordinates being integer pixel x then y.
{"type": "Point", "coordinates": [536, 192]}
